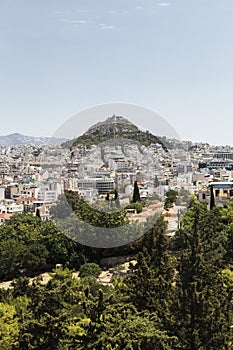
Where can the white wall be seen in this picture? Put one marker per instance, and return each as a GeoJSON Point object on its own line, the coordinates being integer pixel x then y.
{"type": "Point", "coordinates": [2, 193]}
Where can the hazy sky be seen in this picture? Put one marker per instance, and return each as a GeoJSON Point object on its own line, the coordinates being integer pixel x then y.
{"type": "Point", "coordinates": [58, 57]}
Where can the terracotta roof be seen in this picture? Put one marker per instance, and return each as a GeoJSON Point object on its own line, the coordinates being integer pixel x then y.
{"type": "Point", "coordinates": [5, 216]}
{"type": "Point", "coordinates": [26, 199]}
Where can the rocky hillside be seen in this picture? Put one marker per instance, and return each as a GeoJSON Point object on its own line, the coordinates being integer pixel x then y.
{"type": "Point", "coordinates": [113, 127]}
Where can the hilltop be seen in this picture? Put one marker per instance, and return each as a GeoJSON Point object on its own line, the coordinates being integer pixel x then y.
{"type": "Point", "coordinates": [113, 127]}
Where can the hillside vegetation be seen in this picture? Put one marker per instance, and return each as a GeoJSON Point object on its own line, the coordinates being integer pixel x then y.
{"type": "Point", "coordinates": [110, 129]}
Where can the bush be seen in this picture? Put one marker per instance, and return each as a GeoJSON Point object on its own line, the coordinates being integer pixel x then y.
{"type": "Point", "coordinates": [171, 197]}
{"type": "Point", "coordinates": [137, 206]}
{"type": "Point", "coordinates": [90, 270]}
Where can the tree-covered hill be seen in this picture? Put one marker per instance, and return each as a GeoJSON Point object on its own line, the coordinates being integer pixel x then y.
{"type": "Point", "coordinates": [114, 128]}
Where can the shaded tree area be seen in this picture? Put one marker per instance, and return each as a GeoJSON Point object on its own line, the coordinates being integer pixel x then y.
{"type": "Point", "coordinates": [72, 202]}
{"type": "Point", "coordinates": [29, 246]}
{"type": "Point", "coordinates": [83, 223]}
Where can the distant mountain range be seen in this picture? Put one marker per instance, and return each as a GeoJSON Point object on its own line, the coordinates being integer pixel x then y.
{"type": "Point", "coordinates": [19, 139]}
{"type": "Point", "coordinates": [113, 127]}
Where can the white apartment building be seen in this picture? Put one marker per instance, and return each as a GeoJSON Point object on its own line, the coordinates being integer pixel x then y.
{"type": "Point", "coordinates": [46, 196]}
{"type": "Point", "coordinates": [10, 207]}
{"type": "Point", "coordinates": [119, 164]}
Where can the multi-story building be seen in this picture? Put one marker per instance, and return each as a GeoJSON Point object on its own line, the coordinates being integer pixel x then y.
{"type": "Point", "coordinates": [103, 185]}
{"type": "Point", "coordinates": [46, 196]}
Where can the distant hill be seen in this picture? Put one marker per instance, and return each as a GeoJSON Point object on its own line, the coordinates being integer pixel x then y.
{"type": "Point", "coordinates": [19, 139]}
{"type": "Point", "coordinates": [113, 127]}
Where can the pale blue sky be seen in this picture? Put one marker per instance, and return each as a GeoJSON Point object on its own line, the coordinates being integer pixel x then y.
{"type": "Point", "coordinates": [58, 57]}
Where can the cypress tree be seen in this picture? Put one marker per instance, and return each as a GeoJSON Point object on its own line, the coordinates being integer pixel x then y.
{"type": "Point", "coordinates": [212, 201]}
{"type": "Point", "coordinates": [136, 193]}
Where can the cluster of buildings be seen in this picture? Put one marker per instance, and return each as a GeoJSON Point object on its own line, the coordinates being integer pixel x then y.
{"type": "Point", "coordinates": [24, 186]}
{"type": "Point", "coordinates": [32, 177]}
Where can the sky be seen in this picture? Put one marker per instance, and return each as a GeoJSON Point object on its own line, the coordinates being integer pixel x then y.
{"type": "Point", "coordinates": [175, 57]}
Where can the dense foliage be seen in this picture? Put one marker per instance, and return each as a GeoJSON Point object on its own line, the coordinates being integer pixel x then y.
{"type": "Point", "coordinates": [29, 246]}
{"type": "Point", "coordinates": [87, 139]}
{"type": "Point", "coordinates": [180, 299]}
{"type": "Point", "coordinates": [87, 213]}
{"type": "Point", "coordinates": [85, 223]}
